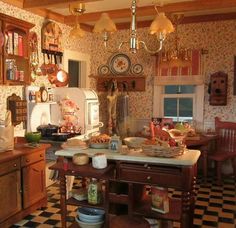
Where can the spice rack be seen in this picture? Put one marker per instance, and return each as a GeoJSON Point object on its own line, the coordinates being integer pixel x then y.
{"type": "Point", "coordinates": [18, 109]}
{"type": "Point", "coordinates": [15, 65]}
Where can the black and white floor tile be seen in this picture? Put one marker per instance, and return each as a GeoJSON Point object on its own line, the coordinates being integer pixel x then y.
{"type": "Point", "coordinates": [215, 207]}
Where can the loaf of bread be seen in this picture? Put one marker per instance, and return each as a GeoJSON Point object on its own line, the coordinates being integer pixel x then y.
{"type": "Point", "coordinates": [75, 142]}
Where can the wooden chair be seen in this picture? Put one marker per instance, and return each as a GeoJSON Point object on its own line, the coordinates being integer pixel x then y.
{"type": "Point", "coordinates": [225, 146]}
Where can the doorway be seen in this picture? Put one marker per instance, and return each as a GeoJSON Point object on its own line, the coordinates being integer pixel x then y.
{"type": "Point", "coordinates": [78, 67]}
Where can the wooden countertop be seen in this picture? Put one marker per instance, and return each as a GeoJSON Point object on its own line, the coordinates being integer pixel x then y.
{"type": "Point", "coordinates": [20, 149]}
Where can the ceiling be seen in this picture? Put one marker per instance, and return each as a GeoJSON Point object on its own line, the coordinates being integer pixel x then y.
{"type": "Point", "coordinates": [119, 10]}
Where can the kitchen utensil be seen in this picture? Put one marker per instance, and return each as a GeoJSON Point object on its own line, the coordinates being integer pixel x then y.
{"type": "Point", "coordinates": [91, 215]}
{"type": "Point", "coordinates": [47, 130]}
{"type": "Point", "coordinates": [60, 136]}
{"type": "Point", "coordinates": [33, 137]}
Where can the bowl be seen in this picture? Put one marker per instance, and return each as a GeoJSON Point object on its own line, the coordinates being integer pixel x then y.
{"type": "Point", "coordinates": [33, 137]}
{"type": "Point", "coordinates": [89, 225]}
{"type": "Point", "coordinates": [90, 215]}
{"type": "Point", "coordinates": [134, 142]}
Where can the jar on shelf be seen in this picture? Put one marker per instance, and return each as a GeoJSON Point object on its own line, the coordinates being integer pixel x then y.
{"type": "Point", "coordinates": [94, 192]}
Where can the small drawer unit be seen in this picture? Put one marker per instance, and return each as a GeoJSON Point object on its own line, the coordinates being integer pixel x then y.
{"type": "Point", "coordinates": [32, 158]}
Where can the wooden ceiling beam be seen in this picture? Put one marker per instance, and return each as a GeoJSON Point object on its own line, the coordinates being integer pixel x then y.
{"type": "Point", "coordinates": [186, 20]}
{"type": "Point", "coordinates": [181, 7]}
{"type": "Point", "coordinates": [45, 3]}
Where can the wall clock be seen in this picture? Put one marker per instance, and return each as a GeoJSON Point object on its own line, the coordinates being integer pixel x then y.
{"type": "Point", "coordinates": [120, 64]}
{"type": "Point", "coordinates": [44, 94]}
{"type": "Point", "coordinates": [103, 70]}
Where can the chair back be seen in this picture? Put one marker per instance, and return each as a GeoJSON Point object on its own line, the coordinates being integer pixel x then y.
{"type": "Point", "coordinates": [226, 132]}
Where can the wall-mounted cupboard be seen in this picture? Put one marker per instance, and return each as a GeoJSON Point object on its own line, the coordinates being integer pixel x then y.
{"type": "Point", "coordinates": [14, 51]}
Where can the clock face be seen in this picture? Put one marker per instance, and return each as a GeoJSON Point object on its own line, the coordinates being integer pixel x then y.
{"type": "Point", "coordinates": [44, 95]}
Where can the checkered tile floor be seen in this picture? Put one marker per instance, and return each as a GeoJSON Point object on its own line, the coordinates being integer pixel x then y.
{"type": "Point", "coordinates": [215, 207]}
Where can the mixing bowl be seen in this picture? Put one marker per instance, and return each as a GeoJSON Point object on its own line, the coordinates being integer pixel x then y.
{"type": "Point", "coordinates": [33, 137]}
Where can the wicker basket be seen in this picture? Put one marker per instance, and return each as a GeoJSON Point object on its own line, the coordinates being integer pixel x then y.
{"type": "Point", "coordinates": [165, 152]}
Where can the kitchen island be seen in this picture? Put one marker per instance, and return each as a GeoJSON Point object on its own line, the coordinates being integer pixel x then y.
{"type": "Point", "coordinates": [134, 172]}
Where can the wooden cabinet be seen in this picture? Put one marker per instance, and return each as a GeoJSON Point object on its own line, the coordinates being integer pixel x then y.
{"type": "Point", "coordinates": [33, 175]}
{"type": "Point", "coordinates": [10, 194]}
{"type": "Point", "coordinates": [125, 191]}
{"type": "Point", "coordinates": [22, 181]}
{"type": "Point", "coordinates": [15, 63]}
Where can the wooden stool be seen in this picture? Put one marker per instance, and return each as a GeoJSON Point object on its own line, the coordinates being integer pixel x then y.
{"type": "Point", "coordinates": [125, 221]}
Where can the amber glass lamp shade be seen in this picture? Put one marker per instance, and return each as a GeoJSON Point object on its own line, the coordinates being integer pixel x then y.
{"type": "Point", "coordinates": [104, 24]}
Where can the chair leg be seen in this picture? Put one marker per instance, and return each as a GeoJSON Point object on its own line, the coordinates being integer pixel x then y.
{"type": "Point", "coordinates": [218, 172]}
{"type": "Point", "coordinates": [234, 166]}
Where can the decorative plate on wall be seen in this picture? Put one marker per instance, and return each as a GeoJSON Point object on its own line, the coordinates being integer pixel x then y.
{"type": "Point", "coordinates": [120, 64]}
{"type": "Point", "coordinates": [137, 69]}
{"type": "Point", "coordinates": [103, 70]}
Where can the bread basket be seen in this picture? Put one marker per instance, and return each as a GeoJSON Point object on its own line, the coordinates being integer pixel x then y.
{"type": "Point", "coordinates": [80, 159]}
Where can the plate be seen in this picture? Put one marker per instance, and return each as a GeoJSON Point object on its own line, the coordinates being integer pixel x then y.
{"type": "Point", "coordinates": [73, 148]}
{"type": "Point", "coordinates": [99, 145]}
{"type": "Point", "coordinates": [137, 69]}
{"type": "Point", "coordinates": [103, 70]}
{"type": "Point", "coordinates": [120, 64]}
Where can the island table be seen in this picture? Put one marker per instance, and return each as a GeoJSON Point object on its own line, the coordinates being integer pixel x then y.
{"type": "Point", "coordinates": [134, 172]}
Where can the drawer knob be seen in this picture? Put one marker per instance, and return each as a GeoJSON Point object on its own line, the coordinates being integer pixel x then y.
{"type": "Point", "coordinates": [40, 155]}
{"type": "Point", "coordinates": [149, 178]}
{"type": "Point", "coordinates": [145, 165]}
{"type": "Point", "coordinates": [15, 165]}
{"type": "Point", "coordinates": [27, 160]}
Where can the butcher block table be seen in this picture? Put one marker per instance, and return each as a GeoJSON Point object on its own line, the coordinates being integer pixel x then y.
{"type": "Point", "coordinates": [134, 171]}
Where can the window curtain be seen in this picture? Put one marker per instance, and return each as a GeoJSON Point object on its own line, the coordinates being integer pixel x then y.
{"type": "Point", "coordinates": [188, 75]}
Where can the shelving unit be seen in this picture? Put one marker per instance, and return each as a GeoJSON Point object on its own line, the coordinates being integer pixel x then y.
{"type": "Point", "coordinates": [15, 65]}
{"type": "Point", "coordinates": [125, 188]}
{"type": "Point", "coordinates": [133, 82]}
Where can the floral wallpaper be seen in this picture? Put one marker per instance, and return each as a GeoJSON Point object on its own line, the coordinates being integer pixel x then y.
{"type": "Point", "coordinates": [218, 38]}
{"type": "Point", "coordinates": [80, 45]}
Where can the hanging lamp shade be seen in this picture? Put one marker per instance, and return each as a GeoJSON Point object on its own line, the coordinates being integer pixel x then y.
{"type": "Point", "coordinates": [104, 24]}
{"type": "Point", "coordinates": [77, 32]}
{"type": "Point", "coordinates": [161, 25]}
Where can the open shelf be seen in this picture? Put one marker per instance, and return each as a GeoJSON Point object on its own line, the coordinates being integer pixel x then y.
{"type": "Point", "coordinates": [84, 203]}
{"type": "Point", "coordinates": [133, 82]}
{"type": "Point", "coordinates": [144, 208]}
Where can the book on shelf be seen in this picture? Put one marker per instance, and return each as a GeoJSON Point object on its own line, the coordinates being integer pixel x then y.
{"type": "Point", "coordinates": [20, 46]}
{"type": "Point", "coordinates": [160, 199]}
{"type": "Point", "coordinates": [15, 43]}
{"type": "Point", "coordinates": [10, 43]}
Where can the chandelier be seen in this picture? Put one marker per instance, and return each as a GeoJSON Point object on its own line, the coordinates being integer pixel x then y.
{"type": "Point", "coordinates": [76, 9]}
{"type": "Point", "coordinates": [175, 56]}
{"type": "Point", "coordinates": [161, 26]}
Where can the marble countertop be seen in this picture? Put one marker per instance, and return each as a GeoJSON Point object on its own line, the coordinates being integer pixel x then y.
{"type": "Point", "coordinates": [189, 158]}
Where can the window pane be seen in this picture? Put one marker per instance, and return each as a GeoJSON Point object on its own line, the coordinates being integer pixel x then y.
{"type": "Point", "coordinates": [179, 89]}
{"type": "Point", "coordinates": [171, 89]}
{"type": "Point", "coordinates": [187, 89]}
{"type": "Point", "coordinates": [170, 107]}
{"type": "Point", "coordinates": [185, 107]}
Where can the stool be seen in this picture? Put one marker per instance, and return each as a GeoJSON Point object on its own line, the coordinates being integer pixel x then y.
{"type": "Point", "coordinates": [125, 221]}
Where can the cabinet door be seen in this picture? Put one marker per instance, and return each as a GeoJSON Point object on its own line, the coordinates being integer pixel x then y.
{"type": "Point", "coordinates": [33, 183]}
{"type": "Point", "coordinates": [10, 194]}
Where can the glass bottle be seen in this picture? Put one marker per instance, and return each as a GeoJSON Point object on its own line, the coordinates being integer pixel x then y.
{"type": "Point", "coordinates": [94, 192]}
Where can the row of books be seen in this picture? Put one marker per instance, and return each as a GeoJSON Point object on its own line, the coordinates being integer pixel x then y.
{"type": "Point", "coordinates": [15, 44]}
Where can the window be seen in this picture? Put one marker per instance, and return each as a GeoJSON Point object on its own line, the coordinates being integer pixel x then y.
{"type": "Point", "coordinates": [180, 102]}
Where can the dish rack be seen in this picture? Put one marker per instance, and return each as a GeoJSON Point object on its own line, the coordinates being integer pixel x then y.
{"type": "Point", "coordinates": [165, 152]}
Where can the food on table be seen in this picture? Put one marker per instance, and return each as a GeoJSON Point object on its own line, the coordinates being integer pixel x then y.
{"type": "Point", "coordinates": [97, 139]}
{"type": "Point", "coordinates": [75, 142]}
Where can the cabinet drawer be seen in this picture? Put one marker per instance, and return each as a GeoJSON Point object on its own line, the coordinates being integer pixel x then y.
{"type": "Point", "coordinates": [32, 158]}
{"type": "Point", "coordinates": [147, 174]}
{"type": "Point", "coordinates": [7, 167]}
